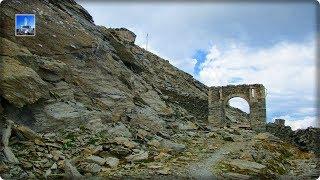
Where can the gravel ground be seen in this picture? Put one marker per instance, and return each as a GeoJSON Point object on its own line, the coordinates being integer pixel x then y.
{"type": "Point", "coordinates": [202, 170]}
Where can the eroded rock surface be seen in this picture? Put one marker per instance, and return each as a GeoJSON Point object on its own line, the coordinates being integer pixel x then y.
{"type": "Point", "coordinates": [20, 85]}
{"type": "Point", "coordinates": [82, 71]}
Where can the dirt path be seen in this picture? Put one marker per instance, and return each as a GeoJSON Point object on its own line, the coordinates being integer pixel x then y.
{"type": "Point", "coordinates": [202, 169]}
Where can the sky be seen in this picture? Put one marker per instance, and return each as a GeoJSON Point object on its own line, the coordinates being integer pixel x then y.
{"type": "Point", "coordinates": [22, 20]}
{"type": "Point", "coordinates": [232, 43]}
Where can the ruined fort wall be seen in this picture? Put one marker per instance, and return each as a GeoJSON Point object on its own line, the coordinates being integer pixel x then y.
{"type": "Point", "coordinates": [254, 94]}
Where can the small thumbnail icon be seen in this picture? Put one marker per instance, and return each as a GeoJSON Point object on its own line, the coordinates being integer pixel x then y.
{"type": "Point", "coordinates": [25, 25]}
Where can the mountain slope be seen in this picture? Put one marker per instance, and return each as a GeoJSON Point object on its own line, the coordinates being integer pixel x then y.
{"type": "Point", "coordinates": [81, 71]}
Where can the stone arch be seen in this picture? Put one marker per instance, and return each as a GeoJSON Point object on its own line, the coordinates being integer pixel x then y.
{"type": "Point", "coordinates": [254, 94]}
{"type": "Point", "coordinates": [236, 95]}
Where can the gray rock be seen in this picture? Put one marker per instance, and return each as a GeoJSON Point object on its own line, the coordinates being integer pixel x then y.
{"type": "Point", "coordinates": [62, 110]}
{"type": "Point", "coordinates": [142, 155]}
{"type": "Point", "coordinates": [154, 143]}
{"type": "Point", "coordinates": [12, 49]}
{"type": "Point", "coordinates": [51, 70]}
{"type": "Point", "coordinates": [211, 135]}
{"type": "Point", "coordinates": [96, 159]}
{"type": "Point", "coordinates": [112, 161]}
{"type": "Point", "coordinates": [9, 155]}
{"type": "Point", "coordinates": [174, 147]}
{"type": "Point", "coordinates": [266, 136]}
{"type": "Point", "coordinates": [226, 136]}
{"type": "Point", "coordinates": [56, 154]}
{"type": "Point", "coordinates": [20, 85]}
{"type": "Point", "coordinates": [164, 171]}
{"type": "Point", "coordinates": [25, 132]}
{"type": "Point", "coordinates": [125, 142]}
{"type": "Point", "coordinates": [47, 173]}
{"type": "Point", "coordinates": [63, 91]}
{"type": "Point", "coordinates": [91, 167]}
{"type": "Point", "coordinates": [54, 166]}
{"type": "Point", "coordinates": [120, 151]}
{"type": "Point", "coordinates": [187, 126]}
{"type": "Point", "coordinates": [95, 125]}
{"type": "Point", "coordinates": [247, 165]}
{"type": "Point", "coordinates": [119, 130]}
{"type": "Point", "coordinates": [6, 133]}
{"type": "Point", "coordinates": [125, 34]}
{"type": "Point", "coordinates": [70, 170]}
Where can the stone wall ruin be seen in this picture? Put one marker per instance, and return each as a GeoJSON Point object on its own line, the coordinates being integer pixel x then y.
{"type": "Point", "coordinates": [254, 94]}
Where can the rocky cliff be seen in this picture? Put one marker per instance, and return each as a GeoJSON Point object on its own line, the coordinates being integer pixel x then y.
{"type": "Point", "coordinates": [73, 71]}
{"type": "Point", "coordinates": [307, 139]}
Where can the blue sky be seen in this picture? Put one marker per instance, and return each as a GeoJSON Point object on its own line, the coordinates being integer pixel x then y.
{"type": "Point", "coordinates": [232, 43]}
{"type": "Point", "coordinates": [25, 19]}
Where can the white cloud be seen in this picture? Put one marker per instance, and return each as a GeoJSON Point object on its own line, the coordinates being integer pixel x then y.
{"type": "Point", "coordinates": [186, 65]}
{"type": "Point", "coordinates": [240, 103]}
{"type": "Point", "coordinates": [286, 69]}
{"type": "Point", "coordinates": [306, 110]}
{"type": "Point", "coordinates": [284, 66]}
{"type": "Point", "coordinates": [308, 121]}
{"type": "Point", "coordinates": [178, 30]}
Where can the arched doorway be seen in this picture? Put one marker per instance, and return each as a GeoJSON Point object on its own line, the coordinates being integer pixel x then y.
{"type": "Point", "coordinates": [254, 94]}
{"type": "Point", "coordinates": [237, 112]}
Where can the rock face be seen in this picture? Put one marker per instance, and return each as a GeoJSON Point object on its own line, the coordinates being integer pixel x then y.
{"type": "Point", "coordinates": [306, 139]}
{"type": "Point", "coordinates": [20, 85]}
{"type": "Point", "coordinates": [125, 34]}
{"type": "Point", "coordinates": [73, 71]}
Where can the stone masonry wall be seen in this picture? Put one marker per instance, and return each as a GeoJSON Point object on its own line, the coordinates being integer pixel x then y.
{"type": "Point", "coordinates": [254, 94]}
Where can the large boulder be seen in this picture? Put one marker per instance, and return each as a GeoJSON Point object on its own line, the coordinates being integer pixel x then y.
{"type": "Point", "coordinates": [20, 85]}
{"type": "Point", "coordinates": [140, 156]}
{"type": "Point", "coordinates": [96, 159]}
{"type": "Point", "coordinates": [112, 161]}
{"type": "Point", "coordinates": [172, 146]}
{"type": "Point", "coordinates": [125, 34]}
{"type": "Point", "coordinates": [244, 165]}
